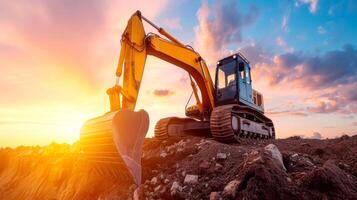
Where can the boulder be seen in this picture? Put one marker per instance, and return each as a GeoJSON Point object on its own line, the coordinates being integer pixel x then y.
{"type": "Point", "coordinates": [275, 154]}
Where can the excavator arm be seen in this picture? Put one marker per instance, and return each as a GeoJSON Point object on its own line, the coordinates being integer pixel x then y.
{"type": "Point", "coordinates": [136, 45]}
{"type": "Point", "coordinates": [122, 130]}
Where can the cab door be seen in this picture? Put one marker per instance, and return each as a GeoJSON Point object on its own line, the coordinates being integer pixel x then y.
{"type": "Point", "coordinates": [226, 82]}
{"type": "Point", "coordinates": [248, 86]}
{"type": "Point", "coordinates": [245, 84]}
{"type": "Point", "coordinates": [242, 81]}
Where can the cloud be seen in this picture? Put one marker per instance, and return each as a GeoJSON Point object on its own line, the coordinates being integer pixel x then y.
{"type": "Point", "coordinates": [341, 99]}
{"type": "Point", "coordinates": [285, 21]}
{"type": "Point", "coordinates": [287, 113]}
{"type": "Point", "coordinates": [312, 4]}
{"type": "Point", "coordinates": [328, 80]}
{"type": "Point", "coordinates": [256, 53]}
{"type": "Point", "coordinates": [354, 123]}
{"type": "Point", "coordinates": [313, 72]}
{"type": "Point", "coordinates": [316, 135]}
{"type": "Point", "coordinates": [219, 26]}
{"type": "Point", "coordinates": [321, 30]}
{"type": "Point", "coordinates": [24, 122]}
{"type": "Point", "coordinates": [282, 43]}
{"type": "Point", "coordinates": [59, 57]}
{"type": "Point", "coordinates": [50, 44]}
{"type": "Point", "coordinates": [163, 92]}
{"type": "Point", "coordinates": [173, 23]}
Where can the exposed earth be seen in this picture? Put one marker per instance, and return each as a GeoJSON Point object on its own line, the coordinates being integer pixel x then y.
{"type": "Point", "coordinates": [191, 168]}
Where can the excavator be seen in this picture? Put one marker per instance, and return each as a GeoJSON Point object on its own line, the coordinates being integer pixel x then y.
{"type": "Point", "coordinates": [229, 110]}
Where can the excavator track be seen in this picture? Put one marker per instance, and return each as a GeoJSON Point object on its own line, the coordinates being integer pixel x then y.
{"type": "Point", "coordinates": [170, 126]}
{"type": "Point", "coordinates": [161, 131]}
{"type": "Point", "coordinates": [248, 123]}
{"type": "Point", "coordinates": [221, 124]}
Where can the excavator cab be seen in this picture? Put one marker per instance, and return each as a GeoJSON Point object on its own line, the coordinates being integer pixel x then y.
{"type": "Point", "coordinates": [234, 84]}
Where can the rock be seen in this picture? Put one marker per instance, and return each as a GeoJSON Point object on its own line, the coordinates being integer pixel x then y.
{"type": "Point", "coordinates": [218, 167]}
{"type": "Point", "coordinates": [305, 144]}
{"type": "Point", "coordinates": [204, 166]}
{"type": "Point", "coordinates": [308, 162]}
{"type": "Point", "coordinates": [175, 190]}
{"type": "Point", "coordinates": [252, 160]}
{"type": "Point", "coordinates": [230, 189]}
{"type": "Point", "coordinates": [163, 190]}
{"type": "Point", "coordinates": [157, 188]}
{"type": "Point", "coordinates": [191, 179]}
{"type": "Point", "coordinates": [147, 182]}
{"type": "Point", "coordinates": [254, 152]}
{"type": "Point", "coordinates": [163, 154]}
{"type": "Point", "coordinates": [153, 181]}
{"type": "Point", "coordinates": [275, 154]}
{"type": "Point", "coordinates": [295, 155]}
{"type": "Point", "coordinates": [221, 156]}
{"type": "Point", "coordinates": [214, 196]}
{"type": "Point", "coordinates": [339, 184]}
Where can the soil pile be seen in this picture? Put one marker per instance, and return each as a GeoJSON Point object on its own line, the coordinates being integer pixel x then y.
{"type": "Point", "coordinates": [191, 168]}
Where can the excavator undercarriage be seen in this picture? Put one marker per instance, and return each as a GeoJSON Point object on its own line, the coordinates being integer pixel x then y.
{"type": "Point", "coordinates": [228, 123]}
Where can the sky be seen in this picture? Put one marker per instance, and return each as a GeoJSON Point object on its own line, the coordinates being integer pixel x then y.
{"type": "Point", "coordinates": [58, 57]}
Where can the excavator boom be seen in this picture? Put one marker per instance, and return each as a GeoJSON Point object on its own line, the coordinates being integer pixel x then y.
{"type": "Point", "coordinates": [136, 46]}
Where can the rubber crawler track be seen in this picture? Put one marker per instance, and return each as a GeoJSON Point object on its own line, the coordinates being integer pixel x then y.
{"type": "Point", "coordinates": [221, 125]}
{"type": "Point", "coordinates": [162, 126]}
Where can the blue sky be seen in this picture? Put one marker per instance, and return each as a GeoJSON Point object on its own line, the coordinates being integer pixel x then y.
{"type": "Point", "coordinates": [332, 25]}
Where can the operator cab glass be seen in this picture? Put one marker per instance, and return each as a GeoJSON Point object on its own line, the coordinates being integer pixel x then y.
{"type": "Point", "coordinates": [226, 81]}
{"type": "Point", "coordinates": [233, 81]}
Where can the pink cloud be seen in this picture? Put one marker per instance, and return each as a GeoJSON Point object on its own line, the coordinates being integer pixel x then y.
{"type": "Point", "coordinates": [325, 83]}
{"type": "Point", "coordinates": [312, 4]}
{"type": "Point", "coordinates": [220, 25]}
{"type": "Point", "coordinates": [173, 23]}
{"type": "Point", "coordinates": [162, 92]}
{"type": "Point", "coordinates": [47, 44]}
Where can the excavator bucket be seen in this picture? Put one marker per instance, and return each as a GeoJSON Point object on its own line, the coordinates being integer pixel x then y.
{"type": "Point", "coordinates": [112, 143]}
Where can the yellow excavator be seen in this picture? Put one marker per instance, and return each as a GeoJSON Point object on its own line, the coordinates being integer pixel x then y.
{"type": "Point", "coordinates": [229, 110]}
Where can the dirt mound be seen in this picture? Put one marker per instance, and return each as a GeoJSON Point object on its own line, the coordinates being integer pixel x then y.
{"type": "Point", "coordinates": [191, 168]}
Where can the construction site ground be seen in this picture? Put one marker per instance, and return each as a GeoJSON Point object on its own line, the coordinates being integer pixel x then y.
{"type": "Point", "coordinates": [190, 168]}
